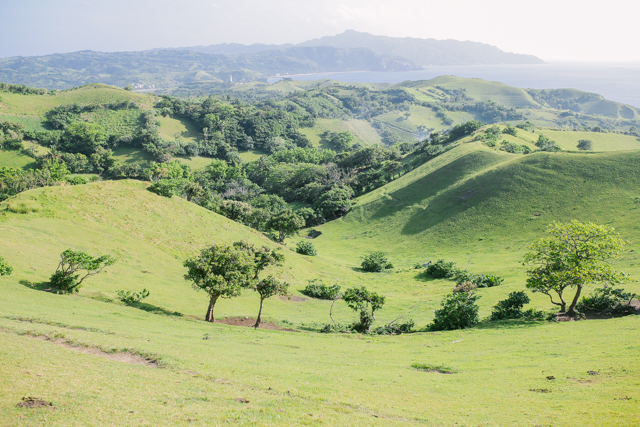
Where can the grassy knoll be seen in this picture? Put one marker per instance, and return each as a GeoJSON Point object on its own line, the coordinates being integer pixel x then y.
{"type": "Point", "coordinates": [568, 140]}
{"type": "Point", "coordinates": [364, 133]}
{"type": "Point", "coordinates": [481, 207]}
{"type": "Point", "coordinates": [482, 90]}
{"type": "Point", "coordinates": [89, 94]}
{"type": "Point", "coordinates": [183, 129]}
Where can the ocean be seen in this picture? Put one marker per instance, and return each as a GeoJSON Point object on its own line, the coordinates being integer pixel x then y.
{"type": "Point", "coordinates": [616, 82]}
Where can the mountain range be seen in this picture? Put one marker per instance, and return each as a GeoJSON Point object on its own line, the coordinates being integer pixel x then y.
{"type": "Point", "coordinates": [170, 67]}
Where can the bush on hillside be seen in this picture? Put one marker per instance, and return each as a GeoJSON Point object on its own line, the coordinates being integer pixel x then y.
{"type": "Point", "coordinates": [442, 269]}
{"type": "Point", "coordinates": [375, 262]}
{"type": "Point", "coordinates": [130, 297]}
{"type": "Point", "coordinates": [306, 248]}
{"type": "Point", "coordinates": [487, 281]}
{"type": "Point", "coordinates": [510, 308]}
{"type": "Point", "coordinates": [510, 130]}
{"type": "Point", "coordinates": [459, 311]}
{"type": "Point", "coordinates": [5, 269]}
{"type": "Point", "coordinates": [585, 145]}
{"type": "Point", "coordinates": [65, 279]}
{"type": "Point", "coordinates": [316, 289]}
{"type": "Point", "coordinates": [365, 303]}
{"type": "Point", "coordinates": [607, 298]}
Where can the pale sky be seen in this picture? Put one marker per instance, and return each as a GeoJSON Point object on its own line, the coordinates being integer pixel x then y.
{"type": "Point", "coordinates": [554, 30]}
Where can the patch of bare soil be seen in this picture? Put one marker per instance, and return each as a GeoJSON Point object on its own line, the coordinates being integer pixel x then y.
{"type": "Point", "coordinates": [292, 298]}
{"type": "Point", "coordinates": [124, 357]}
{"type": "Point", "coordinates": [249, 322]}
{"type": "Point", "coordinates": [34, 402]}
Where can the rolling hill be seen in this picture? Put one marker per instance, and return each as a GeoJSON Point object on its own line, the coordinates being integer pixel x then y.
{"type": "Point", "coordinates": [471, 204]}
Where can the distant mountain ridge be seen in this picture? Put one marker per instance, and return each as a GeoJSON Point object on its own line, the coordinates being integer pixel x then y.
{"type": "Point", "coordinates": [171, 67]}
{"type": "Point", "coordinates": [166, 68]}
{"type": "Point", "coordinates": [424, 52]}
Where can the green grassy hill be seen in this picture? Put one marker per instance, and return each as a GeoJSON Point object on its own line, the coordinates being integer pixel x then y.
{"type": "Point", "coordinates": [305, 377]}
{"type": "Point", "coordinates": [479, 206]}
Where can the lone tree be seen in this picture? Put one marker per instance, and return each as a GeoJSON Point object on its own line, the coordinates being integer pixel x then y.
{"type": "Point", "coordinates": [574, 256]}
{"type": "Point", "coordinates": [267, 288]}
{"type": "Point", "coordinates": [286, 223]}
{"type": "Point", "coordinates": [5, 269]}
{"type": "Point", "coordinates": [223, 270]}
{"type": "Point", "coordinates": [65, 278]}
{"type": "Point", "coordinates": [366, 303]}
{"type": "Point", "coordinates": [585, 144]}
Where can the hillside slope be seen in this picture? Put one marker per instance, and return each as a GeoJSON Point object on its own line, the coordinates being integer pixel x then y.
{"type": "Point", "coordinates": [482, 207]}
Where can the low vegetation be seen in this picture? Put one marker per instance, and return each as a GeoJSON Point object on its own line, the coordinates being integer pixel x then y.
{"type": "Point", "coordinates": [65, 279]}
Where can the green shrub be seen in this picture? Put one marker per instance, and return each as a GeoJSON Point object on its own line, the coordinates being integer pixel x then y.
{"type": "Point", "coordinates": [65, 279]}
{"type": "Point", "coordinates": [76, 180]}
{"type": "Point", "coordinates": [394, 328]}
{"type": "Point", "coordinates": [130, 297]}
{"type": "Point", "coordinates": [605, 299]}
{"type": "Point", "coordinates": [5, 269]}
{"type": "Point", "coordinates": [306, 248]}
{"type": "Point", "coordinates": [331, 328]}
{"type": "Point", "coordinates": [375, 262]}
{"type": "Point", "coordinates": [427, 367]}
{"type": "Point", "coordinates": [366, 303]}
{"type": "Point", "coordinates": [317, 289]}
{"type": "Point", "coordinates": [585, 145]}
{"type": "Point", "coordinates": [510, 308]}
{"type": "Point", "coordinates": [487, 281]}
{"type": "Point", "coordinates": [459, 311]}
{"type": "Point", "coordinates": [442, 269]}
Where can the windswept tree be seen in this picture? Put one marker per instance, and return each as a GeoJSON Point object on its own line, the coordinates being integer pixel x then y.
{"type": "Point", "coordinates": [574, 256]}
{"type": "Point", "coordinates": [267, 288]}
{"type": "Point", "coordinates": [366, 303]}
{"type": "Point", "coordinates": [65, 278]}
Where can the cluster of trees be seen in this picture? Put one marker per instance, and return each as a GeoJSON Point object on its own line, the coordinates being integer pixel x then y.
{"type": "Point", "coordinates": [11, 135]}
{"type": "Point", "coordinates": [223, 271]}
{"type": "Point", "coordinates": [23, 89]}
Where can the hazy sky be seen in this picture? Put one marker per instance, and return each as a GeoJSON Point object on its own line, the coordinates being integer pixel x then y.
{"type": "Point", "coordinates": [555, 30]}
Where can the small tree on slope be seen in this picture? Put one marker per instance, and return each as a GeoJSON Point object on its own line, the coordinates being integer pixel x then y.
{"type": "Point", "coordinates": [220, 271]}
{"type": "Point", "coordinates": [267, 288]}
{"type": "Point", "coordinates": [574, 256]}
{"type": "Point", "coordinates": [65, 278]}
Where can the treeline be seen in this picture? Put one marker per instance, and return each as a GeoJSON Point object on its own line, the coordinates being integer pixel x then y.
{"type": "Point", "coordinates": [23, 89]}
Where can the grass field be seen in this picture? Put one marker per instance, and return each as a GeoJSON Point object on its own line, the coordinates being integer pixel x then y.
{"type": "Point", "coordinates": [288, 378]}
{"type": "Point", "coordinates": [474, 205]}
{"type": "Point", "coordinates": [171, 129]}
{"type": "Point", "coordinates": [15, 159]}
{"type": "Point", "coordinates": [364, 133]}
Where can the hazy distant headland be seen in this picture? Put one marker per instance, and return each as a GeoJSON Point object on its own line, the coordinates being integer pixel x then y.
{"type": "Point", "coordinates": [170, 67]}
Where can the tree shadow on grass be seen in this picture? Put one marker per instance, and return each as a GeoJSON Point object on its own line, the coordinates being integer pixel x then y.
{"type": "Point", "coordinates": [39, 286]}
{"type": "Point", "coordinates": [510, 324]}
{"type": "Point", "coordinates": [154, 309]}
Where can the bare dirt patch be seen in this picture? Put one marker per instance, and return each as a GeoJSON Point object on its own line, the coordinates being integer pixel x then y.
{"type": "Point", "coordinates": [34, 402]}
{"type": "Point", "coordinates": [249, 322]}
{"type": "Point", "coordinates": [292, 298]}
{"type": "Point", "coordinates": [124, 357]}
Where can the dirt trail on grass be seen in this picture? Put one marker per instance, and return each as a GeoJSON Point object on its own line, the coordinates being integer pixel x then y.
{"type": "Point", "coordinates": [249, 322]}
{"type": "Point", "coordinates": [124, 357]}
